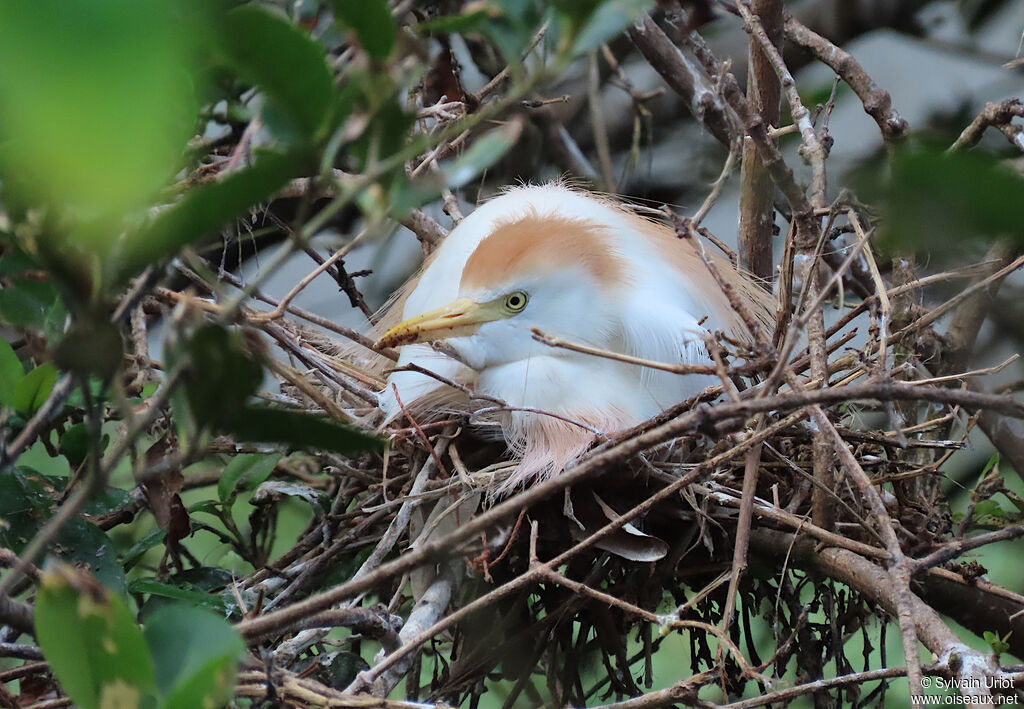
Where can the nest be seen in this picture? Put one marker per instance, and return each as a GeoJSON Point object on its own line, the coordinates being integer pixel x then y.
{"type": "Point", "coordinates": [751, 526]}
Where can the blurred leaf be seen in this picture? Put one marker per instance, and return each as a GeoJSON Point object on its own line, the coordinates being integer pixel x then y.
{"type": "Point", "coordinates": [222, 375]}
{"type": "Point", "coordinates": [372, 22]}
{"type": "Point", "coordinates": [11, 373]}
{"type": "Point", "coordinates": [387, 132]}
{"type": "Point", "coordinates": [977, 12]}
{"type": "Point", "coordinates": [74, 444]}
{"type": "Point", "coordinates": [28, 500]}
{"type": "Point", "coordinates": [286, 64]}
{"type": "Point", "coordinates": [31, 392]}
{"type": "Point", "coordinates": [194, 668]}
{"type": "Point", "coordinates": [31, 304]}
{"type": "Point", "coordinates": [456, 24]}
{"type": "Point", "coordinates": [299, 430]}
{"type": "Point", "coordinates": [247, 470]}
{"type": "Point", "coordinates": [609, 19]}
{"type": "Point", "coordinates": [102, 102]}
{"type": "Point", "coordinates": [92, 346]}
{"type": "Point", "coordinates": [511, 25]}
{"type": "Point", "coordinates": [205, 578]}
{"type": "Point", "coordinates": [204, 210]}
{"type": "Point", "coordinates": [14, 261]}
{"type": "Point", "coordinates": [934, 198]}
{"type": "Point", "coordinates": [210, 507]}
{"type": "Point", "coordinates": [337, 669]}
{"type": "Point", "coordinates": [483, 153]}
{"type": "Point", "coordinates": [191, 596]}
{"type": "Point", "coordinates": [91, 641]}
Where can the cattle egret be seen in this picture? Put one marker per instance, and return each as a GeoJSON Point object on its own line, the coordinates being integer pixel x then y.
{"type": "Point", "coordinates": [574, 266]}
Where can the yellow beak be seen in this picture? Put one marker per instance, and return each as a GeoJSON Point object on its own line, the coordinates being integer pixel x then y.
{"type": "Point", "coordinates": [457, 319]}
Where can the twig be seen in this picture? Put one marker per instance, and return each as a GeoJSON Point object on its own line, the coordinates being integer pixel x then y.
{"type": "Point", "coordinates": [716, 192]}
{"type": "Point", "coordinates": [996, 114]}
{"type": "Point", "coordinates": [899, 568]}
{"type": "Point", "coordinates": [815, 151]}
{"type": "Point", "coordinates": [685, 78]}
{"type": "Point", "coordinates": [426, 229]}
{"type": "Point", "coordinates": [604, 153]}
{"type": "Point", "coordinates": [937, 312]}
{"type": "Point", "coordinates": [954, 548]}
{"type": "Point", "coordinates": [876, 101]}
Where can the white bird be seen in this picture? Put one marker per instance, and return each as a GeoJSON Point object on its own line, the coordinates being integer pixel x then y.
{"type": "Point", "coordinates": [575, 266]}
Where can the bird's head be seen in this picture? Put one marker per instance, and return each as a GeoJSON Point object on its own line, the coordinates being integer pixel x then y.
{"type": "Point", "coordinates": [554, 274]}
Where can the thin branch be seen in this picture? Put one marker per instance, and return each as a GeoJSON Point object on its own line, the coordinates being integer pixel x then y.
{"type": "Point", "coordinates": [876, 101]}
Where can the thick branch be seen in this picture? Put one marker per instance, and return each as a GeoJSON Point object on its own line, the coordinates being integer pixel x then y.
{"type": "Point", "coordinates": [757, 204]}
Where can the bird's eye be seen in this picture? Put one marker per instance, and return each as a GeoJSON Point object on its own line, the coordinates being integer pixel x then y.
{"type": "Point", "coordinates": [515, 302]}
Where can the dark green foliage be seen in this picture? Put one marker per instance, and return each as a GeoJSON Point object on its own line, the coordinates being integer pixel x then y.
{"type": "Point", "coordinates": [945, 201]}
{"type": "Point", "coordinates": [274, 54]}
{"type": "Point", "coordinates": [220, 377]}
{"type": "Point", "coordinates": [103, 658]}
{"type": "Point", "coordinates": [300, 430]}
{"type": "Point", "coordinates": [372, 22]}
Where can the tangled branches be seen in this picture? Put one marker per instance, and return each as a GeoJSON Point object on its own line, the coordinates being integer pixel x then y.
{"type": "Point", "coordinates": [761, 542]}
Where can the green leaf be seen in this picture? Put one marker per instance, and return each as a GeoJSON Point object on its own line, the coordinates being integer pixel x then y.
{"type": "Point", "coordinates": [93, 345]}
{"type": "Point", "coordinates": [204, 210]}
{"type": "Point", "coordinates": [484, 152]}
{"type": "Point", "coordinates": [511, 25]}
{"type": "Point", "coordinates": [372, 22]}
{"type": "Point", "coordinates": [286, 64]}
{"type": "Point", "coordinates": [194, 668]}
{"type": "Point", "coordinates": [998, 644]}
{"type": "Point", "coordinates": [31, 304]}
{"type": "Point", "coordinates": [222, 375]}
{"type": "Point", "coordinates": [14, 261]}
{"type": "Point", "coordinates": [74, 444]}
{"type": "Point", "coordinates": [299, 430]}
{"type": "Point", "coordinates": [247, 470]}
{"type": "Point", "coordinates": [108, 501]}
{"type": "Point", "coordinates": [92, 643]}
{"type": "Point", "coordinates": [387, 132]}
{"type": "Point", "coordinates": [988, 508]}
{"type": "Point", "coordinates": [84, 544]}
{"type": "Point", "coordinates": [11, 373]}
{"type": "Point", "coordinates": [610, 19]}
{"type": "Point", "coordinates": [138, 550]}
{"type": "Point", "coordinates": [31, 392]}
{"type": "Point", "coordinates": [344, 669]}
{"type": "Point", "coordinates": [191, 596]}
{"type": "Point", "coordinates": [936, 200]}
{"type": "Point", "coordinates": [26, 501]}
{"type": "Point", "coordinates": [103, 99]}
{"type": "Point", "coordinates": [454, 24]}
